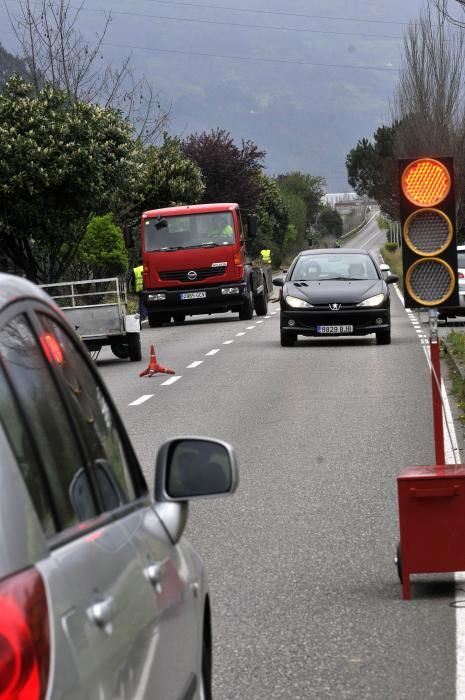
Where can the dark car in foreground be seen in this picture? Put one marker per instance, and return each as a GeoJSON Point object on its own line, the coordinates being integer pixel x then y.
{"type": "Point", "coordinates": [101, 596]}
{"type": "Point", "coordinates": [335, 292]}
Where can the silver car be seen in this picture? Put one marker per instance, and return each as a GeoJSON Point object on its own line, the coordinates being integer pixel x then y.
{"type": "Point", "coordinates": [100, 596]}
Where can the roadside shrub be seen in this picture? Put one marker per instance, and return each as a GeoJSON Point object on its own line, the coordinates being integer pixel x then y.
{"type": "Point", "coordinates": [392, 247]}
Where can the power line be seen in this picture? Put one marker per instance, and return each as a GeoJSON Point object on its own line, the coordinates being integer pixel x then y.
{"type": "Point", "coordinates": [279, 12]}
{"type": "Point", "coordinates": [240, 25]}
{"type": "Point", "coordinates": [252, 58]}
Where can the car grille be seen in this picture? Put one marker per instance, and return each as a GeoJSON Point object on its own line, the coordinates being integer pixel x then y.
{"type": "Point", "coordinates": [202, 274]}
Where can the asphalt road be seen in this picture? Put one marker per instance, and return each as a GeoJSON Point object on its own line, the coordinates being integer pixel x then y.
{"type": "Point", "coordinates": [306, 599]}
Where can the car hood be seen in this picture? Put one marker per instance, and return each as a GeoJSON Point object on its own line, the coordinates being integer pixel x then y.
{"type": "Point", "coordinates": [340, 291]}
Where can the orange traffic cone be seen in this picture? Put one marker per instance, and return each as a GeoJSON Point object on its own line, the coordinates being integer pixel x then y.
{"type": "Point", "coordinates": [154, 367]}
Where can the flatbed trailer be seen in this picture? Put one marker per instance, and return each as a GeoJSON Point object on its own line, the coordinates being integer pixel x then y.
{"type": "Point", "coordinates": [98, 311]}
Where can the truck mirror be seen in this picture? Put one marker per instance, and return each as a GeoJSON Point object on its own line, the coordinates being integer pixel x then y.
{"type": "Point", "coordinates": [251, 225]}
{"type": "Point", "coordinates": [128, 237]}
{"type": "Point", "coordinates": [160, 223]}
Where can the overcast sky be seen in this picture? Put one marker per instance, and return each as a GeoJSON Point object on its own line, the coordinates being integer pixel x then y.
{"type": "Point", "coordinates": [304, 79]}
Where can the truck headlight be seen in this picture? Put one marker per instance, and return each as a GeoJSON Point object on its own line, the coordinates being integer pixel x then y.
{"type": "Point", "coordinates": [157, 297]}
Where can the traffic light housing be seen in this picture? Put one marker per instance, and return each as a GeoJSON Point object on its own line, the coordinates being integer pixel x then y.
{"type": "Point", "coordinates": [427, 218]}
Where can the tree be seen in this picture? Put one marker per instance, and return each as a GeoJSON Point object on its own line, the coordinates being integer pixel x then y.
{"type": "Point", "coordinates": [61, 163]}
{"type": "Point", "coordinates": [170, 177]}
{"type": "Point", "coordinates": [309, 188]}
{"type": "Point", "coordinates": [101, 252]}
{"type": "Point", "coordinates": [231, 174]}
{"type": "Point", "coordinates": [372, 168]}
{"type": "Point", "coordinates": [329, 223]}
{"type": "Point", "coordinates": [56, 53]}
{"type": "Point", "coordinates": [272, 217]}
{"type": "Point", "coordinates": [429, 97]}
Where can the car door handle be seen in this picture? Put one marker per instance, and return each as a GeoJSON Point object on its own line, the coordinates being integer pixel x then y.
{"type": "Point", "coordinates": [101, 612]}
{"type": "Point", "coordinates": [154, 573]}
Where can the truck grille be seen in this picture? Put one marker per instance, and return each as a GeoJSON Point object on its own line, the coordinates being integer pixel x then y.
{"type": "Point", "coordinates": [202, 274]}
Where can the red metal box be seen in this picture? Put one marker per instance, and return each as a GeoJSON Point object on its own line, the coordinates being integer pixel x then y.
{"type": "Point", "coordinates": [432, 521]}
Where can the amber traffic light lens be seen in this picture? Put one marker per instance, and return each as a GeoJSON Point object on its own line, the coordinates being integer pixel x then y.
{"type": "Point", "coordinates": [430, 281]}
{"type": "Point", "coordinates": [428, 232]}
{"type": "Point", "coordinates": [426, 182]}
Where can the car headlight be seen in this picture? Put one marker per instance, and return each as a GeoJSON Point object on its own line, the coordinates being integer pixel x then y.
{"type": "Point", "coordinates": [372, 301]}
{"type": "Point", "coordinates": [297, 303]}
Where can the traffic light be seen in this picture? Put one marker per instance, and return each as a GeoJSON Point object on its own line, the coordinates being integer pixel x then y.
{"type": "Point", "coordinates": [427, 217]}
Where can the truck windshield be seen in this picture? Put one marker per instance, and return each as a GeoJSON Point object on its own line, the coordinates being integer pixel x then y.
{"type": "Point", "coordinates": [189, 231]}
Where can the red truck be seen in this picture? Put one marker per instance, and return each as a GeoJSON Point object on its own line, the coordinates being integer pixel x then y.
{"type": "Point", "coordinates": [195, 262]}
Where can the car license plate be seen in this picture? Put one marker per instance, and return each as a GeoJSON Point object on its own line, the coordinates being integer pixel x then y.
{"type": "Point", "coordinates": [334, 329]}
{"type": "Point", "coordinates": [193, 295]}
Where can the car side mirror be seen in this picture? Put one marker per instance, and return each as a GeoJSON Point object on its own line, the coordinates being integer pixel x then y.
{"type": "Point", "coordinates": [390, 279]}
{"type": "Point", "coordinates": [251, 225]}
{"type": "Point", "coordinates": [278, 282]}
{"type": "Point", "coordinates": [188, 468]}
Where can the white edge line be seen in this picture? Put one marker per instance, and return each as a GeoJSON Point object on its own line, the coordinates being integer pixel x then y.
{"type": "Point", "coordinates": [171, 380]}
{"type": "Point", "coordinates": [141, 399]}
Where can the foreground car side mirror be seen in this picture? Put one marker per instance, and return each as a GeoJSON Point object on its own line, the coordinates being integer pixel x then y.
{"type": "Point", "coordinates": [189, 468]}
{"type": "Point", "coordinates": [390, 279]}
{"type": "Point", "coordinates": [278, 282]}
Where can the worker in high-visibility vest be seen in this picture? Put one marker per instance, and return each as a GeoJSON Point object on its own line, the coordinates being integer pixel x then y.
{"type": "Point", "coordinates": [138, 284]}
{"type": "Point", "coordinates": [266, 256]}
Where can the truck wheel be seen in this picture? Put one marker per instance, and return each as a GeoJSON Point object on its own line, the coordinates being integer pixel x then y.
{"type": "Point", "coordinates": [179, 318]}
{"type": "Point", "coordinates": [135, 352]}
{"type": "Point", "coordinates": [261, 302]}
{"type": "Point", "coordinates": [158, 319]}
{"type": "Point", "coordinates": [120, 349]}
{"type": "Point", "coordinates": [246, 310]}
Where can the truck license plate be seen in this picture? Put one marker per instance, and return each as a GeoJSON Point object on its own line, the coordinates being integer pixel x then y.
{"type": "Point", "coordinates": [193, 295]}
{"type": "Point", "coordinates": [335, 329]}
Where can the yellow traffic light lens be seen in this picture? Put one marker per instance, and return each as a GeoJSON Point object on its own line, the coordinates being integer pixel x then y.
{"type": "Point", "coordinates": [428, 232]}
{"type": "Point", "coordinates": [426, 182]}
{"type": "Point", "coordinates": [430, 281]}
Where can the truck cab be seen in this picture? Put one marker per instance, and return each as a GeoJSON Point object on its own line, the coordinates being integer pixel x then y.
{"type": "Point", "coordinates": [195, 262]}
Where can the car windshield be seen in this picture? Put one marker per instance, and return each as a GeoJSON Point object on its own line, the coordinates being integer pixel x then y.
{"type": "Point", "coordinates": [189, 231]}
{"type": "Point", "coordinates": [333, 266]}
{"type": "Point", "coordinates": [461, 259]}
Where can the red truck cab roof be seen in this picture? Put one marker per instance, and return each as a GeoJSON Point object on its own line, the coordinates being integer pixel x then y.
{"type": "Point", "coordinates": [190, 209]}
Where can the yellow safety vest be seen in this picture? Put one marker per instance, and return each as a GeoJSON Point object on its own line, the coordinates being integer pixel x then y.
{"type": "Point", "coordinates": [138, 278]}
{"type": "Point", "coordinates": [266, 256]}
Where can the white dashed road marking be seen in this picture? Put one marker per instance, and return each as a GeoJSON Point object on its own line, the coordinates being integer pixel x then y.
{"type": "Point", "coordinates": [171, 380]}
{"type": "Point", "coordinates": [194, 364]}
{"type": "Point", "coordinates": [141, 399]}
{"type": "Point", "coordinates": [242, 333]}
{"type": "Point", "coordinates": [212, 352]}
{"type": "Point", "coordinates": [250, 328]}
{"type": "Point", "coordinates": [228, 342]}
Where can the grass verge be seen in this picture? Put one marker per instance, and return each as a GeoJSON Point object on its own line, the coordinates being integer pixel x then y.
{"type": "Point", "coordinates": [393, 258]}
{"type": "Point", "coordinates": [454, 354]}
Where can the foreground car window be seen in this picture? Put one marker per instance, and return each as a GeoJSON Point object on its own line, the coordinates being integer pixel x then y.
{"type": "Point", "coordinates": [23, 450]}
{"type": "Point", "coordinates": [25, 360]}
{"type": "Point", "coordinates": [96, 421]}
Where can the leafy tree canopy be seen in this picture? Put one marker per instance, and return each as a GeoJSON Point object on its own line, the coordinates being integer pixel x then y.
{"type": "Point", "coordinates": [329, 222]}
{"type": "Point", "coordinates": [372, 168]}
{"type": "Point", "coordinates": [170, 177]}
{"type": "Point", "coordinates": [273, 219]}
{"type": "Point", "coordinates": [230, 172]}
{"type": "Point", "coordinates": [61, 163]}
{"type": "Point", "coordinates": [102, 252]}
{"type": "Point", "coordinates": [309, 188]}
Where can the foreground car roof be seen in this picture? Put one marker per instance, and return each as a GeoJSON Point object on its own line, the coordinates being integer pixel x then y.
{"type": "Point", "coordinates": [13, 287]}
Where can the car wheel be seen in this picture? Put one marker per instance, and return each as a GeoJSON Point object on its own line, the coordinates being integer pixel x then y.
{"type": "Point", "coordinates": [135, 351]}
{"type": "Point", "coordinates": [383, 337]}
{"type": "Point", "coordinates": [261, 302]}
{"type": "Point", "coordinates": [288, 339]}
{"type": "Point", "coordinates": [120, 350]}
{"type": "Point", "coordinates": [156, 319]}
{"type": "Point", "coordinates": [205, 690]}
{"type": "Point", "coordinates": [179, 318]}
{"type": "Point", "coordinates": [246, 310]}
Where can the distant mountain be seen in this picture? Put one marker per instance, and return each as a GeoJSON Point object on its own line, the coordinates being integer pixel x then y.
{"type": "Point", "coordinates": [10, 64]}
{"type": "Point", "coordinates": [304, 80]}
